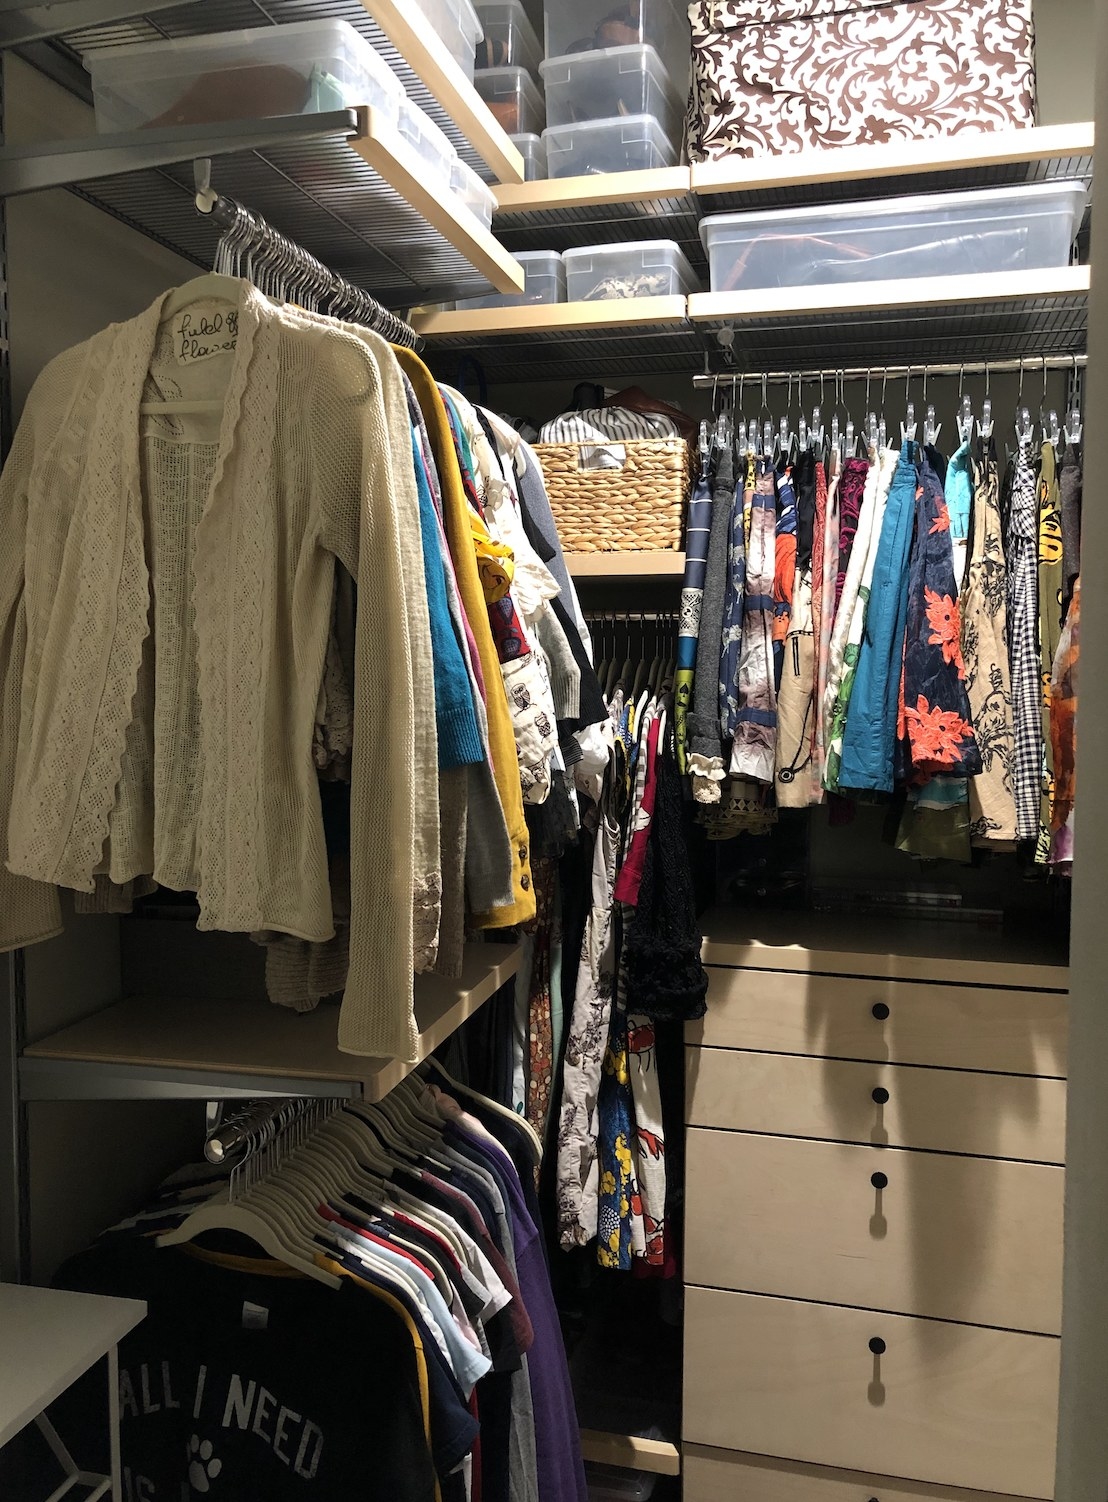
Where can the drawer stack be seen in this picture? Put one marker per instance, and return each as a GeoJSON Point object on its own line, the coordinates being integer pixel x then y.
{"type": "Point", "coordinates": [874, 1219]}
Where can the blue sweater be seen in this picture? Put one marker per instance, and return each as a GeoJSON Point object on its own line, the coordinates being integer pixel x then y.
{"type": "Point", "coordinates": [455, 715]}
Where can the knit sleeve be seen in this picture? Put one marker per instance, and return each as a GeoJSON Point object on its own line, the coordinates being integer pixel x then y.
{"type": "Point", "coordinates": [29, 910]}
{"type": "Point", "coordinates": [363, 525]}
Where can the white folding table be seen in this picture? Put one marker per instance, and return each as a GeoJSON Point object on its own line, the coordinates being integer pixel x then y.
{"type": "Point", "coordinates": [49, 1338]}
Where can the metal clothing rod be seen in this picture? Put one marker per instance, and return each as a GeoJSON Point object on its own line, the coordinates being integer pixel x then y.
{"type": "Point", "coordinates": [1028, 365]}
{"type": "Point", "coordinates": [298, 274]}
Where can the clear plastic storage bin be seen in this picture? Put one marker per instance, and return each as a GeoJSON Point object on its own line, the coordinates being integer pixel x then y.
{"type": "Point", "coordinates": [546, 282]}
{"type": "Point", "coordinates": [649, 268]}
{"type": "Point", "coordinates": [514, 99]}
{"type": "Point", "coordinates": [579, 26]}
{"type": "Point", "coordinates": [533, 152]}
{"type": "Point", "coordinates": [477, 196]}
{"type": "Point", "coordinates": [510, 39]}
{"type": "Point", "coordinates": [630, 144]}
{"type": "Point", "coordinates": [941, 234]}
{"type": "Point", "coordinates": [617, 81]}
{"type": "Point", "coordinates": [306, 68]}
{"type": "Point", "coordinates": [431, 145]}
{"type": "Point", "coordinates": [456, 22]}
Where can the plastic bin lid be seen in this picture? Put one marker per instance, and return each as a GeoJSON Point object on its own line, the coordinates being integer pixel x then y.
{"type": "Point", "coordinates": [924, 203]}
{"type": "Point", "coordinates": [648, 58]}
{"type": "Point", "coordinates": [649, 125]}
{"type": "Point", "coordinates": [623, 246]}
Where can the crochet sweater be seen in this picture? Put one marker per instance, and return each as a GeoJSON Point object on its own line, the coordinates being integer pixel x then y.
{"type": "Point", "coordinates": [165, 602]}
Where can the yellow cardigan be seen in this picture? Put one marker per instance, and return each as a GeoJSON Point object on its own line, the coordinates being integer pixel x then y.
{"type": "Point", "coordinates": [501, 738]}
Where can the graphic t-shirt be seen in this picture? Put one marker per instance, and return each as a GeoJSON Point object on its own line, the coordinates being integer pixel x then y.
{"type": "Point", "coordinates": [243, 1386]}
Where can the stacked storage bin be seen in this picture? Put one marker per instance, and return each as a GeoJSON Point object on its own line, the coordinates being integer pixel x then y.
{"type": "Point", "coordinates": [615, 90]}
{"type": "Point", "coordinates": [508, 78]}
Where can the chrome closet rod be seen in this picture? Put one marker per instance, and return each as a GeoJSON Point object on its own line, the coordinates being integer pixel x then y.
{"type": "Point", "coordinates": [1029, 364]}
{"type": "Point", "coordinates": [249, 230]}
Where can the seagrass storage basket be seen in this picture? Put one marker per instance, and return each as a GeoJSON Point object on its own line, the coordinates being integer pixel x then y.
{"type": "Point", "coordinates": [639, 507]}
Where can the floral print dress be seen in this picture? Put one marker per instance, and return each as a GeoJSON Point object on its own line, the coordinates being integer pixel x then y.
{"type": "Point", "coordinates": [984, 610]}
{"type": "Point", "coordinates": [935, 729]}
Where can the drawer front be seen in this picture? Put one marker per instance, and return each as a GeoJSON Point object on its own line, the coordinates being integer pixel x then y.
{"type": "Point", "coordinates": [946, 1110]}
{"type": "Point", "coordinates": [943, 1403]}
{"type": "Point", "coordinates": [972, 1239]}
{"type": "Point", "coordinates": [723, 1476]}
{"type": "Point", "coordinates": [833, 1016]}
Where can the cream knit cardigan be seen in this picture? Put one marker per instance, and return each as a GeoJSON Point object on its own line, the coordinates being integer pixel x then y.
{"type": "Point", "coordinates": [310, 466]}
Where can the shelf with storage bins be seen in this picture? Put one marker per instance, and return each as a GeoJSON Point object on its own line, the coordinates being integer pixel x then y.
{"type": "Point", "coordinates": [988, 159]}
{"type": "Point", "coordinates": [416, 54]}
{"type": "Point", "coordinates": [556, 341]}
{"type": "Point", "coordinates": [345, 185]}
{"type": "Point", "coordinates": [209, 1048]}
{"type": "Point", "coordinates": [563, 213]}
{"type": "Point", "coordinates": [940, 318]}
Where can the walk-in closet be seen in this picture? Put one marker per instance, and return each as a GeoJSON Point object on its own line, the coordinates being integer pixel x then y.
{"type": "Point", "coordinates": [552, 644]}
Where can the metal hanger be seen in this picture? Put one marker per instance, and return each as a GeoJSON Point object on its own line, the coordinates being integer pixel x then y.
{"type": "Point", "coordinates": [931, 428]}
{"type": "Point", "coordinates": [1073, 416]}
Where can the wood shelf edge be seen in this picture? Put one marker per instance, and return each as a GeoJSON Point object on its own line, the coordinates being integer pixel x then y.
{"type": "Point", "coordinates": [629, 565]}
{"type": "Point", "coordinates": [425, 53]}
{"type": "Point", "coordinates": [657, 1456]}
{"type": "Point", "coordinates": [538, 318]}
{"type": "Point", "coordinates": [381, 147]}
{"type": "Point", "coordinates": [935, 291]}
{"type": "Point", "coordinates": [986, 148]}
{"type": "Point", "coordinates": [550, 194]}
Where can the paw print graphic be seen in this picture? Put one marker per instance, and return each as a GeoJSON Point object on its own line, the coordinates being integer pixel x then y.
{"type": "Point", "coordinates": [203, 1466]}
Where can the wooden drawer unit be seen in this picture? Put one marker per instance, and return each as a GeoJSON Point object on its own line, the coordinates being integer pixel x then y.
{"type": "Point", "coordinates": [878, 1393]}
{"type": "Point", "coordinates": [889, 1021]}
{"type": "Point", "coordinates": [971, 1239]}
{"type": "Point", "coordinates": [945, 1110]}
{"type": "Point", "coordinates": [723, 1476]}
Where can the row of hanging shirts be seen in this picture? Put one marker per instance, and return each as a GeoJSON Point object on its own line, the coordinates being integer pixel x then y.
{"type": "Point", "coordinates": [818, 561]}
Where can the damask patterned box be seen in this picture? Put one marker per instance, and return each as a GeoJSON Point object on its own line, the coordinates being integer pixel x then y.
{"type": "Point", "coordinates": [772, 76]}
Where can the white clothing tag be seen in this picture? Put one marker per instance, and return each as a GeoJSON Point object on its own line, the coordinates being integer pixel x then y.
{"type": "Point", "coordinates": [254, 1316]}
{"type": "Point", "coordinates": [204, 331]}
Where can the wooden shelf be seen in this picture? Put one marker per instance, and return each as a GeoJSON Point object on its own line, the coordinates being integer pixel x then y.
{"type": "Point", "coordinates": [182, 1047]}
{"type": "Point", "coordinates": [425, 52]}
{"type": "Point", "coordinates": [923, 319]}
{"type": "Point", "coordinates": [381, 147]}
{"type": "Point", "coordinates": [986, 159]}
{"type": "Point", "coordinates": [657, 1456]}
{"type": "Point", "coordinates": [551, 318]}
{"type": "Point", "coordinates": [645, 565]}
{"type": "Point", "coordinates": [562, 341]}
{"type": "Point", "coordinates": [569, 195]}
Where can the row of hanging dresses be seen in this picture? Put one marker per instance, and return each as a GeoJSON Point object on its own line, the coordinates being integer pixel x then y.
{"type": "Point", "coordinates": [409, 1353]}
{"type": "Point", "coordinates": [636, 978]}
{"type": "Point", "coordinates": [886, 624]}
{"type": "Point", "coordinates": [275, 629]}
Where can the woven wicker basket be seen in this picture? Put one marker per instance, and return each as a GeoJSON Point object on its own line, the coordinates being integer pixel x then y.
{"type": "Point", "coordinates": [639, 507]}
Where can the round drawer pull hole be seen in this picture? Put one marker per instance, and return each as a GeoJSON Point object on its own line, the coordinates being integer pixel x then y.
{"type": "Point", "coordinates": [881, 1095]}
{"type": "Point", "coordinates": [880, 1010]}
{"type": "Point", "coordinates": [879, 1180]}
{"type": "Point", "coordinates": [877, 1346]}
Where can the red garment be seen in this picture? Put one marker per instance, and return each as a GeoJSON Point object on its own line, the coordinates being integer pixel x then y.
{"type": "Point", "coordinates": [629, 879]}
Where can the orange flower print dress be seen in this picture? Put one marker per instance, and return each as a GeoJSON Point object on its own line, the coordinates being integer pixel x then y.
{"type": "Point", "coordinates": [935, 731]}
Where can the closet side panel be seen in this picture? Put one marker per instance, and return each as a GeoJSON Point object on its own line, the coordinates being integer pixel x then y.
{"type": "Point", "coordinates": [1083, 1435]}
{"type": "Point", "coordinates": [71, 270]}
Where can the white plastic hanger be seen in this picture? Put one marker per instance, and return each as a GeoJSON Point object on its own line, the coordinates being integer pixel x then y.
{"type": "Point", "coordinates": [1073, 416]}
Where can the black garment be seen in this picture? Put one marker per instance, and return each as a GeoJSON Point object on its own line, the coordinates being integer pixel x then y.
{"type": "Point", "coordinates": [453, 1428]}
{"type": "Point", "coordinates": [804, 478]}
{"type": "Point", "coordinates": [665, 978]}
{"type": "Point", "coordinates": [252, 1387]}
